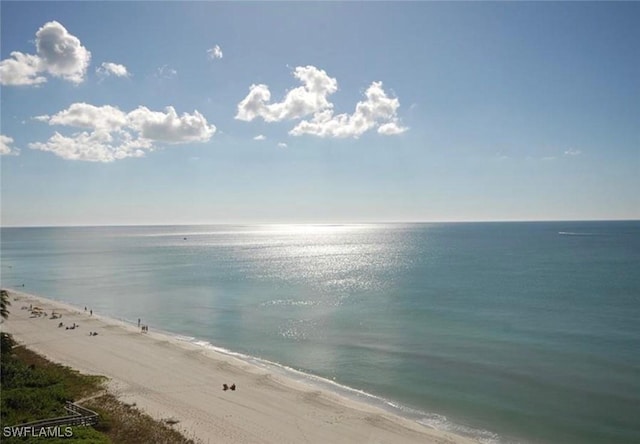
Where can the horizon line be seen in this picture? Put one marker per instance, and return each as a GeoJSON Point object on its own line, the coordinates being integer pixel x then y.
{"type": "Point", "coordinates": [416, 222]}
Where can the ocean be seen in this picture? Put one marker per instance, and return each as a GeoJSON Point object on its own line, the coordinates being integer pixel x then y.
{"type": "Point", "coordinates": [510, 332]}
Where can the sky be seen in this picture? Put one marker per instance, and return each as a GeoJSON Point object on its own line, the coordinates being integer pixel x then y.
{"type": "Point", "coordinates": [126, 113]}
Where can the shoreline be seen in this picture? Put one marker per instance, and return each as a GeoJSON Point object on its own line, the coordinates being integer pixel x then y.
{"type": "Point", "coordinates": [168, 376]}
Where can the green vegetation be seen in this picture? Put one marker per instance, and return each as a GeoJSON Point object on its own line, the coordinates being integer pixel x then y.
{"type": "Point", "coordinates": [124, 423]}
{"type": "Point", "coordinates": [34, 389]}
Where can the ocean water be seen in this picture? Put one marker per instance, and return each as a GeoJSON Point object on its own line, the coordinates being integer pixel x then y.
{"type": "Point", "coordinates": [509, 332]}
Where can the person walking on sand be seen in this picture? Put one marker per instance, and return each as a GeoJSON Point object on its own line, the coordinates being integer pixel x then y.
{"type": "Point", "coordinates": [138, 322]}
{"type": "Point", "coordinates": [91, 312]}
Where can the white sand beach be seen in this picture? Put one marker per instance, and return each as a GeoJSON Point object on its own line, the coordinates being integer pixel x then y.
{"type": "Point", "coordinates": [169, 378]}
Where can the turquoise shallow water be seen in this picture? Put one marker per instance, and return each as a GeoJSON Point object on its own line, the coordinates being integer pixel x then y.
{"type": "Point", "coordinates": [512, 332]}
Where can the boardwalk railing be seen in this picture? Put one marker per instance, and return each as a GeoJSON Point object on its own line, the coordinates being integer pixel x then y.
{"type": "Point", "coordinates": [78, 416]}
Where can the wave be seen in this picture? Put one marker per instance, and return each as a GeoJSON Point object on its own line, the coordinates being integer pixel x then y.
{"type": "Point", "coordinates": [572, 233]}
{"type": "Point", "coordinates": [289, 302]}
{"type": "Point", "coordinates": [426, 419]}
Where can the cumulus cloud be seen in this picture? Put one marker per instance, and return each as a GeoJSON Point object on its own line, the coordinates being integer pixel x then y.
{"type": "Point", "coordinates": [95, 146]}
{"type": "Point", "coordinates": [302, 101]}
{"type": "Point", "coordinates": [112, 134]}
{"type": "Point", "coordinates": [84, 115]}
{"type": "Point", "coordinates": [168, 127]}
{"type": "Point", "coordinates": [391, 128]}
{"type": "Point", "coordinates": [21, 69]}
{"type": "Point", "coordinates": [376, 110]}
{"type": "Point", "coordinates": [311, 99]}
{"type": "Point", "coordinates": [282, 145]}
{"type": "Point", "coordinates": [215, 52]}
{"type": "Point", "coordinates": [259, 137]}
{"type": "Point", "coordinates": [58, 53]}
{"type": "Point", "coordinates": [572, 152]}
{"type": "Point", "coordinates": [5, 146]}
{"type": "Point", "coordinates": [112, 69]}
{"type": "Point", "coordinates": [62, 53]}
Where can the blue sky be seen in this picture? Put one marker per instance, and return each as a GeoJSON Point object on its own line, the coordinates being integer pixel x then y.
{"type": "Point", "coordinates": [208, 112]}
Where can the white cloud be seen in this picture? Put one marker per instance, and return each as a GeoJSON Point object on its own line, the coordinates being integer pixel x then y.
{"type": "Point", "coordinates": [282, 145]}
{"type": "Point", "coordinates": [254, 105]}
{"type": "Point", "coordinates": [168, 127]}
{"type": "Point", "coordinates": [59, 54]}
{"type": "Point", "coordinates": [165, 72]}
{"type": "Point", "coordinates": [299, 102]}
{"type": "Point", "coordinates": [391, 128]}
{"type": "Point", "coordinates": [62, 53]}
{"type": "Point", "coordinates": [215, 52]}
{"type": "Point", "coordinates": [84, 115]}
{"type": "Point", "coordinates": [113, 134]}
{"type": "Point", "coordinates": [5, 146]}
{"type": "Point", "coordinates": [96, 146]}
{"type": "Point", "coordinates": [377, 110]}
{"type": "Point", "coordinates": [112, 69]}
{"type": "Point", "coordinates": [21, 69]}
{"type": "Point", "coordinates": [259, 137]}
{"type": "Point", "coordinates": [572, 152]}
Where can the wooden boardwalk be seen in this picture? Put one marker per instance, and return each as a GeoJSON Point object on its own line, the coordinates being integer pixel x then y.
{"type": "Point", "coordinates": [78, 417]}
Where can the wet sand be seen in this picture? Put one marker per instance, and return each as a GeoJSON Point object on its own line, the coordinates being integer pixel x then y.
{"type": "Point", "coordinates": [170, 378]}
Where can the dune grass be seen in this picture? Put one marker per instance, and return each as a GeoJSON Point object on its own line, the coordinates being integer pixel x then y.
{"type": "Point", "coordinates": [34, 388]}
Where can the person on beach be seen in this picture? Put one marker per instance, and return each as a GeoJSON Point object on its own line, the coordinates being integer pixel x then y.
{"type": "Point", "coordinates": [138, 322]}
{"type": "Point", "coordinates": [91, 312]}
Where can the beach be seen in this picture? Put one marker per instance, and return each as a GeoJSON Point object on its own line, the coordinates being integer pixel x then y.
{"type": "Point", "coordinates": [173, 379]}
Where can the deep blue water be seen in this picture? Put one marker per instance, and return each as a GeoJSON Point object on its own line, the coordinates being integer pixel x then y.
{"type": "Point", "coordinates": [513, 332]}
